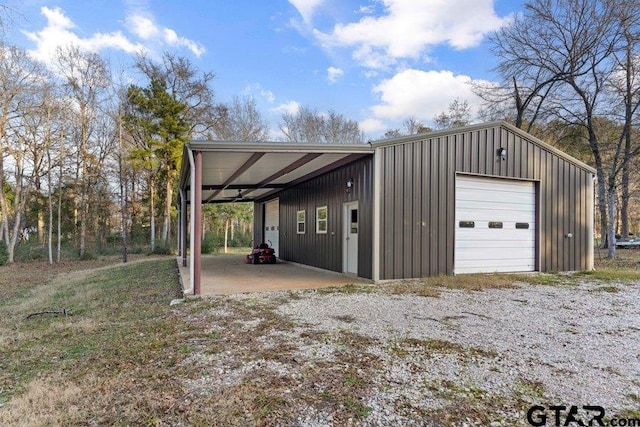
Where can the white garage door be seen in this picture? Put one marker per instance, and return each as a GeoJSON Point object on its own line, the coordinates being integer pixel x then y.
{"type": "Point", "coordinates": [495, 225]}
{"type": "Point", "coordinates": [272, 224]}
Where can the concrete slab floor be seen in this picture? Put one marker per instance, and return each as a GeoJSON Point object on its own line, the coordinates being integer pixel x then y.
{"type": "Point", "coordinates": [224, 274]}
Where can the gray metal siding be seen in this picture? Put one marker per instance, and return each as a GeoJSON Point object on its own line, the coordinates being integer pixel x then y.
{"type": "Point", "coordinates": [418, 199]}
{"type": "Point", "coordinates": [325, 250]}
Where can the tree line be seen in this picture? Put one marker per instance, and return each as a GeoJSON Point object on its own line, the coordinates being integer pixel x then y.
{"type": "Point", "coordinates": [89, 159]}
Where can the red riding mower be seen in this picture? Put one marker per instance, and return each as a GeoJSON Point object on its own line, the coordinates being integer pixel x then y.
{"type": "Point", "coordinates": [261, 254]}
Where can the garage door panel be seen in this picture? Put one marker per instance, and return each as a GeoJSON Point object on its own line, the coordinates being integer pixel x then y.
{"type": "Point", "coordinates": [516, 205]}
{"type": "Point", "coordinates": [484, 249]}
{"type": "Point", "coordinates": [481, 231]}
{"type": "Point", "coordinates": [505, 216]}
{"type": "Point", "coordinates": [470, 183]}
{"type": "Point", "coordinates": [502, 268]}
{"type": "Point", "coordinates": [489, 244]}
{"type": "Point", "coordinates": [496, 198]}
{"type": "Point", "coordinates": [491, 257]}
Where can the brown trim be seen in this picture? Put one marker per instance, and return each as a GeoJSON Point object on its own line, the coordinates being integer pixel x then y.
{"type": "Point", "coordinates": [238, 187]}
{"type": "Point", "coordinates": [183, 227]}
{"type": "Point", "coordinates": [242, 169]}
{"type": "Point", "coordinates": [293, 166]}
{"type": "Point", "coordinates": [342, 162]}
{"type": "Point", "coordinates": [197, 237]}
{"type": "Point", "coordinates": [325, 169]}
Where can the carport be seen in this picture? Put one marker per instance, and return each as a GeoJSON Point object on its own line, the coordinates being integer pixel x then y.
{"type": "Point", "coordinates": [225, 172]}
{"type": "Point", "coordinates": [224, 274]}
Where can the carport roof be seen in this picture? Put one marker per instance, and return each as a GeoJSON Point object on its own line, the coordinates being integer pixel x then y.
{"type": "Point", "coordinates": [243, 171]}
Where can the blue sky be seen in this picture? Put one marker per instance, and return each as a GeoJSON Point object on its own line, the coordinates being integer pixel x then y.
{"type": "Point", "coordinates": [374, 61]}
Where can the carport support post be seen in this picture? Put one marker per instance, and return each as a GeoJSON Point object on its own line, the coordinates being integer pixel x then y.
{"type": "Point", "coordinates": [196, 204]}
{"type": "Point", "coordinates": [183, 227]}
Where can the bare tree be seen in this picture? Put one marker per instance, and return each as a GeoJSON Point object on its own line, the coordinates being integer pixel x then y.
{"type": "Point", "coordinates": [410, 126]}
{"type": "Point", "coordinates": [309, 126]}
{"type": "Point", "coordinates": [566, 51]}
{"type": "Point", "coordinates": [528, 75]}
{"type": "Point", "coordinates": [626, 91]}
{"type": "Point", "coordinates": [242, 121]}
{"type": "Point", "coordinates": [458, 115]}
{"type": "Point", "coordinates": [52, 149]}
{"type": "Point", "coordinates": [86, 78]}
{"type": "Point", "coordinates": [20, 83]}
{"type": "Point", "coordinates": [413, 126]}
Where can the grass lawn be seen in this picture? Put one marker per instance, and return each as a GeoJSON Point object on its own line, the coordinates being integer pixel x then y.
{"type": "Point", "coordinates": [109, 361]}
{"type": "Point", "coordinates": [119, 354]}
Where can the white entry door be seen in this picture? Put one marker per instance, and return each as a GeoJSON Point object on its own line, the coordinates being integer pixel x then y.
{"type": "Point", "coordinates": [350, 237]}
{"type": "Point", "coordinates": [272, 224]}
{"type": "Point", "coordinates": [495, 225]}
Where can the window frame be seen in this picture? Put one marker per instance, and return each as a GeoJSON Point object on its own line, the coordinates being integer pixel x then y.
{"type": "Point", "coordinates": [302, 222]}
{"type": "Point", "coordinates": [324, 220]}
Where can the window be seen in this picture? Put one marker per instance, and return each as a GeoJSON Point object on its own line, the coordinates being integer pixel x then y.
{"type": "Point", "coordinates": [522, 225]}
{"type": "Point", "coordinates": [354, 221]}
{"type": "Point", "coordinates": [467, 224]}
{"type": "Point", "coordinates": [321, 220]}
{"type": "Point", "coordinates": [495, 224]}
{"type": "Point", "coordinates": [301, 218]}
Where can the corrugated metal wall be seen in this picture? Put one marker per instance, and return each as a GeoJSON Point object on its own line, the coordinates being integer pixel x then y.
{"type": "Point", "coordinates": [325, 250]}
{"type": "Point", "coordinates": [418, 199]}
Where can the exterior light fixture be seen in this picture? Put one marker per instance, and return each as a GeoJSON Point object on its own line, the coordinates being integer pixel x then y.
{"type": "Point", "coordinates": [502, 152]}
{"type": "Point", "coordinates": [349, 185]}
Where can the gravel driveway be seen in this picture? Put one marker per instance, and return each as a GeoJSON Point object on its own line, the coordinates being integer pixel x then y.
{"type": "Point", "coordinates": [422, 358]}
{"type": "Point", "coordinates": [580, 343]}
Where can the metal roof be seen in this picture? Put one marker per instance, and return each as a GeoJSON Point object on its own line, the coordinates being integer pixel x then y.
{"type": "Point", "coordinates": [242, 171]}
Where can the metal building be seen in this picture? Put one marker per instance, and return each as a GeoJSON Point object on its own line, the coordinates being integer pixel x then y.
{"type": "Point", "coordinates": [483, 198]}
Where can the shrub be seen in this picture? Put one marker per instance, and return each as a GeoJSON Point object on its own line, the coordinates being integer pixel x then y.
{"type": "Point", "coordinates": [210, 244]}
{"type": "Point", "coordinates": [87, 256]}
{"type": "Point", "coordinates": [30, 251]}
{"type": "Point", "coordinates": [162, 250]}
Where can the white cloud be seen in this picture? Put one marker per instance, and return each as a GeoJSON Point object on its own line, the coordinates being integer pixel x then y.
{"type": "Point", "coordinates": [366, 10]}
{"type": "Point", "coordinates": [408, 29]}
{"type": "Point", "coordinates": [142, 27]}
{"type": "Point", "coordinates": [306, 7]}
{"type": "Point", "coordinates": [257, 89]}
{"type": "Point", "coordinates": [372, 126]}
{"type": "Point", "coordinates": [268, 96]}
{"type": "Point", "coordinates": [145, 28]}
{"type": "Point", "coordinates": [290, 107]}
{"type": "Point", "coordinates": [334, 74]}
{"type": "Point", "coordinates": [58, 32]}
{"type": "Point", "coordinates": [421, 94]}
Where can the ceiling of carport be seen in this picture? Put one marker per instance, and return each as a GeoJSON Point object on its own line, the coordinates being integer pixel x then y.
{"type": "Point", "coordinates": [240, 171]}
